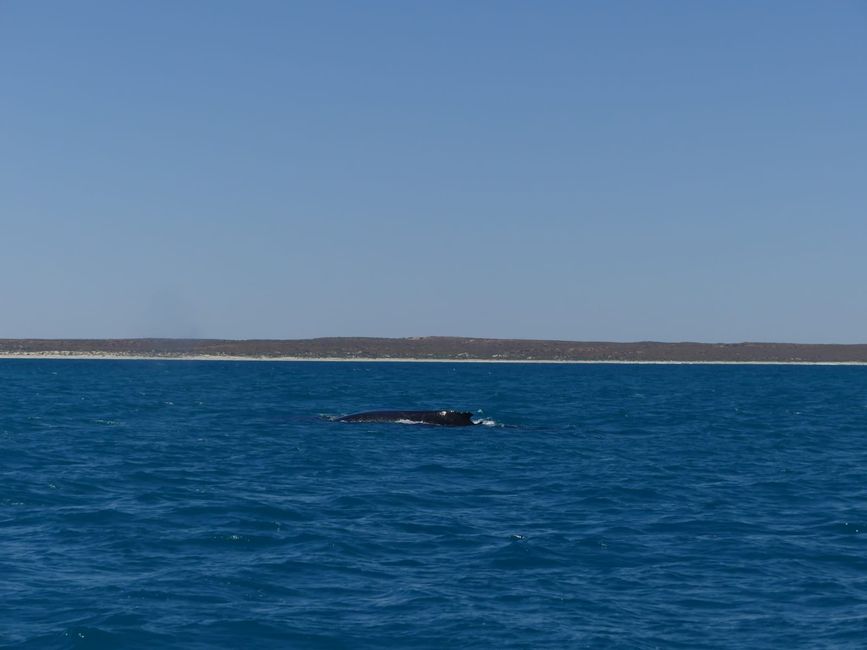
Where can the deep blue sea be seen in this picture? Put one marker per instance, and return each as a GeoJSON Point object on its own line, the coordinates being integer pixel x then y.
{"type": "Point", "coordinates": [183, 504]}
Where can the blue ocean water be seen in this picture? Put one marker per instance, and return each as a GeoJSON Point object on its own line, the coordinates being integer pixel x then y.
{"type": "Point", "coordinates": [149, 504]}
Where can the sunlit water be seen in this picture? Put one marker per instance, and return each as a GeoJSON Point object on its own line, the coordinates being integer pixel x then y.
{"type": "Point", "coordinates": [215, 505]}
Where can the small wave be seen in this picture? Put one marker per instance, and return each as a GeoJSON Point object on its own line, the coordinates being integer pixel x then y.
{"type": "Point", "coordinates": [486, 422]}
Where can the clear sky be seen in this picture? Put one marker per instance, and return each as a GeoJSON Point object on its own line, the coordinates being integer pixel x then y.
{"type": "Point", "coordinates": [574, 170]}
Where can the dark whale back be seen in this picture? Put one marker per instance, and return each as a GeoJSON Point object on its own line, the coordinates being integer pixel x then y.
{"type": "Point", "coordinates": [442, 418]}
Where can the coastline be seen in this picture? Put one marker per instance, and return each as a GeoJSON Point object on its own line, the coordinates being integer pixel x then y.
{"type": "Point", "coordinates": [436, 349]}
{"type": "Point", "coordinates": [59, 356]}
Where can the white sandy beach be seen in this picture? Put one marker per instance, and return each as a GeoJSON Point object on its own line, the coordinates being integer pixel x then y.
{"type": "Point", "coordinates": [104, 356]}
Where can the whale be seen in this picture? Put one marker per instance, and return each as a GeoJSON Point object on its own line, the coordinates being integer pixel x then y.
{"type": "Point", "coordinates": [442, 418]}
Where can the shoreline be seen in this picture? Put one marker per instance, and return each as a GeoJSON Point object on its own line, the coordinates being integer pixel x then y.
{"type": "Point", "coordinates": [59, 356]}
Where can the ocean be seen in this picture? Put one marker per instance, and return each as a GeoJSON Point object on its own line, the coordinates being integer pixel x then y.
{"type": "Point", "coordinates": [184, 504]}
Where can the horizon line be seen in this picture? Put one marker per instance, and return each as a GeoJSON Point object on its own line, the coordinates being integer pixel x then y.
{"type": "Point", "coordinates": [428, 337]}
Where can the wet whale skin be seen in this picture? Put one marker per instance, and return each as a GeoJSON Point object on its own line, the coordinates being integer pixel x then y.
{"type": "Point", "coordinates": [442, 417]}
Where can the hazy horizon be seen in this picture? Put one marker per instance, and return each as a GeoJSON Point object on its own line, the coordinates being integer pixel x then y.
{"type": "Point", "coordinates": [444, 336]}
{"type": "Point", "coordinates": [614, 172]}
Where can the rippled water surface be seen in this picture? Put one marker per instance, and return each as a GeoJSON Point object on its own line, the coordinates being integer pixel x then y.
{"type": "Point", "coordinates": [213, 505]}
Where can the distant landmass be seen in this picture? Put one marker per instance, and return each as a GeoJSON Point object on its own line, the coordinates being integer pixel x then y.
{"type": "Point", "coordinates": [439, 348]}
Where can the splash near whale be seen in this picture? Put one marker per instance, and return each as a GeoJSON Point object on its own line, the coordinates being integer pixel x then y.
{"type": "Point", "coordinates": [441, 418]}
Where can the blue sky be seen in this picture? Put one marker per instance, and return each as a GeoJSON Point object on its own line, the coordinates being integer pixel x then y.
{"type": "Point", "coordinates": [574, 170]}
